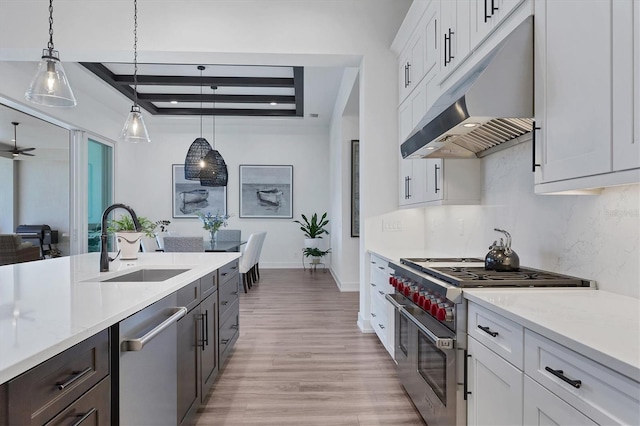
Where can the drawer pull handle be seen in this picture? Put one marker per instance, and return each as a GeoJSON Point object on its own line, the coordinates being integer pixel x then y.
{"type": "Point", "coordinates": [234, 267]}
{"type": "Point", "coordinates": [381, 292]}
{"type": "Point", "coordinates": [138, 344]}
{"type": "Point", "coordinates": [224, 274]}
{"type": "Point", "coordinates": [560, 375]}
{"type": "Point", "coordinates": [373, 285]}
{"type": "Point", "coordinates": [381, 326]}
{"type": "Point", "coordinates": [235, 293]}
{"type": "Point", "coordinates": [76, 376]}
{"type": "Point", "coordinates": [381, 267]}
{"type": "Point", "coordinates": [234, 326]}
{"type": "Point", "coordinates": [373, 315]}
{"type": "Point", "coordinates": [488, 331]}
{"type": "Point", "coordinates": [224, 302]}
{"type": "Point", "coordinates": [224, 341]}
{"type": "Point", "coordinates": [85, 417]}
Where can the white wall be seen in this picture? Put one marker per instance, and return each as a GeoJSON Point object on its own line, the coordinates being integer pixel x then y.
{"type": "Point", "coordinates": [144, 178]}
{"type": "Point", "coordinates": [593, 237]}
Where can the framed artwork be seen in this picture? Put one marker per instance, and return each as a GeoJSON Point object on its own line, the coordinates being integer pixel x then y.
{"type": "Point", "coordinates": [355, 188]}
{"type": "Point", "coordinates": [189, 197]}
{"type": "Point", "coordinates": [266, 191]}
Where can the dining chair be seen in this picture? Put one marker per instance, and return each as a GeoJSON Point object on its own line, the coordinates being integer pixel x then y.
{"type": "Point", "coordinates": [228, 234]}
{"type": "Point", "coordinates": [255, 268]}
{"type": "Point", "coordinates": [183, 244]}
{"type": "Point", "coordinates": [247, 261]}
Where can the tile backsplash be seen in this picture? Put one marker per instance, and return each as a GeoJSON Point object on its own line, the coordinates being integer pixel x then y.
{"type": "Point", "coordinates": [594, 237]}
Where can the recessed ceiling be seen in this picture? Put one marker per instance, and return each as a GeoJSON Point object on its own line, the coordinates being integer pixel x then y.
{"type": "Point", "coordinates": [179, 89]}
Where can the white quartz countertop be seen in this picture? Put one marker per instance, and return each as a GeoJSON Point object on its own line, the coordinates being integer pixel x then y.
{"type": "Point", "coordinates": [50, 305]}
{"type": "Point", "coordinates": [600, 325]}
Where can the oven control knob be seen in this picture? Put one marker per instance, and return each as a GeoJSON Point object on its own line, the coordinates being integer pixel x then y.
{"type": "Point", "coordinates": [426, 304]}
{"type": "Point", "coordinates": [444, 314]}
{"type": "Point", "coordinates": [400, 287]}
{"type": "Point", "coordinates": [421, 299]}
{"type": "Point", "coordinates": [391, 279]}
{"type": "Point", "coordinates": [435, 307]}
{"type": "Point", "coordinates": [415, 296]}
{"type": "Point", "coordinates": [407, 290]}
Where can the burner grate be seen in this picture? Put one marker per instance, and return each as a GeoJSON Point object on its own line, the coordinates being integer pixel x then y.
{"type": "Point", "coordinates": [463, 276]}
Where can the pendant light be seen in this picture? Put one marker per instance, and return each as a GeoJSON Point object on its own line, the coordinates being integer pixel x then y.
{"type": "Point", "coordinates": [215, 169]}
{"type": "Point", "coordinates": [194, 163]}
{"type": "Point", "coordinates": [50, 86]}
{"type": "Point", "coordinates": [134, 130]}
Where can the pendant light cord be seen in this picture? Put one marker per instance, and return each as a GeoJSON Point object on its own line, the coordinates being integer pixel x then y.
{"type": "Point", "coordinates": [50, 44]}
{"type": "Point", "coordinates": [213, 114]}
{"type": "Point", "coordinates": [135, 53]}
{"type": "Point", "coordinates": [201, 68]}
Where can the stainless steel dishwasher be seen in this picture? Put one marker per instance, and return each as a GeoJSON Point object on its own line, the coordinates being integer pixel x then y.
{"type": "Point", "coordinates": [148, 364]}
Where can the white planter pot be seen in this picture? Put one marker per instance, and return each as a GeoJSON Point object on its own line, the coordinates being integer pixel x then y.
{"type": "Point", "coordinates": [128, 244]}
{"type": "Point", "coordinates": [312, 242]}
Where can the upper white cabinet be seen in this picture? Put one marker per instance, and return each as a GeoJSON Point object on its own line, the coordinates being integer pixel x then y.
{"type": "Point", "coordinates": [585, 110]}
{"type": "Point", "coordinates": [455, 31]}
{"type": "Point", "coordinates": [486, 15]}
{"type": "Point", "coordinates": [411, 65]}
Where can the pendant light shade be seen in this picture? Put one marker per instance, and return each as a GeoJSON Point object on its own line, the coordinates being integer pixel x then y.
{"type": "Point", "coordinates": [194, 163]}
{"type": "Point", "coordinates": [49, 85]}
{"type": "Point", "coordinates": [215, 169]}
{"type": "Point", "coordinates": [134, 129]}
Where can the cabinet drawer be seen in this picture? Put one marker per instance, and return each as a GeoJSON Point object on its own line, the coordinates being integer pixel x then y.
{"type": "Point", "coordinates": [228, 271]}
{"type": "Point", "coordinates": [42, 392]}
{"type": "Point", "coordinates": [208, 284]}
{"type": "Point", "coordinates": [541, 407]}
{"type": "Point", "coordinates": [602, 394]}
{"type": "Point", "coordinates": [229, 331]}
{"type": "Point", "coordinates": [189, 295]}
{"type": "Point", "coordinates": [93, 408]}
{"type": "Point", "coordinates": [501, 335]}
{"type": "Point", "coordinates": [228, 294]}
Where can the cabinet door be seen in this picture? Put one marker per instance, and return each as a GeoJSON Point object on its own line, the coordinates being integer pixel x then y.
{"type": "Point", "coordinates": [431, 31]}
{"type": "Point", "coordinates": [188, 373]}
{"type": "Point", "coordinates": [434, 179]}
{"type": "Point", "coordinates": [626, 75]}
{"type": "Point", "coordinates": [454, 33]}
{"type": "Point", "coordinates": [573, 88]}
{"type": "Point", "coordinates": [209, 348]}
{"type": "Point", "coordinates": [482, 19]}
{"type": "Point", "coordinates": [495, 386]}
{"type": "Point", "coordinates": [541, 407]}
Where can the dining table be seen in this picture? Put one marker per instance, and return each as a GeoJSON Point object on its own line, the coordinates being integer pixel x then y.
{"type": "Point", "coordinates": [223, 245]}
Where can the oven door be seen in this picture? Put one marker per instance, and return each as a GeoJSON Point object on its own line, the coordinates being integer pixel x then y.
{"type": "Point", "coordinates": [433, 384]}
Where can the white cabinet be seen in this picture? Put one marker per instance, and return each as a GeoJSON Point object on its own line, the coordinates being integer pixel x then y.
{"type": "Point", "coordinates": [411, 65]}
{"type": "Point", "coordinates": [412, 178]}
{"type": "Point", "coordinates": [584, 108]}
{"type": "Point", "coordinates": [455, 35]}
{"type": "Point", "coordinates": [541, 407]}
{"type": "Point", "coordinates": [382, 314]}
{"type": "Point", "coordinates": [495, 388]}
{"type": "Point", "coordinates": [452, 181]}
{"type": "Point", "coordinates": [486, 15]}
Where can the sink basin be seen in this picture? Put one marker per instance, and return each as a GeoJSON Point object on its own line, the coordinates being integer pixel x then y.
{"type": "Point", "coordinates": [146, 275]}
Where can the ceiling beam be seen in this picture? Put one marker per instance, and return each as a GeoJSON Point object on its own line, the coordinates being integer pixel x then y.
{"type": "Point", "coordinates": [180, 80]}
{"type": "Point", "coordinates": [228, 112]}
{"type": "Point", "coordinates": [236, 99]}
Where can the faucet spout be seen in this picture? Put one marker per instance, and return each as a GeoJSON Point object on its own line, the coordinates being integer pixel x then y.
{"type": "Point", "coordinates": [104, 255]}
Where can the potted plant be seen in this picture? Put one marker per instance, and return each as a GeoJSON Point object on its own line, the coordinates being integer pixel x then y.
{"type": "Point", "coordinates": [313, 229]}
{"type": "Point", "coordinates": [164, 231]}
{"type": "Point", "coordinates": [127, 237]}
{"type": "Point", "coordinates": [213, 222]}
{"type": "Point", "coordinates": [315, 253]}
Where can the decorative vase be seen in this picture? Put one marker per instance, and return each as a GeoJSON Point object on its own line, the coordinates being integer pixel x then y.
{"type": "Point", "coordinates": [312, 242]}
{"type": "Point", "coordinates": [212, 234]}
{"type": "Point", "coordinates": [128, 244]}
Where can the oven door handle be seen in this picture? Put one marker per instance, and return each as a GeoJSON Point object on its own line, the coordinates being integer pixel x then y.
{"type": "Point", "coordinates": [442, 343]}
{"type": "Point", "coordinates": [394, 302]}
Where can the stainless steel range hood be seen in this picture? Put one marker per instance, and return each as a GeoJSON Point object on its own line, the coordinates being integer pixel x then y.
{"type": "Point", "coordinates": [490, 105]}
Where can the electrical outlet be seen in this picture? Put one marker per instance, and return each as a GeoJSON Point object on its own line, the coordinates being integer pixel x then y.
{"type": "Point", "coordinates": [391, 226]}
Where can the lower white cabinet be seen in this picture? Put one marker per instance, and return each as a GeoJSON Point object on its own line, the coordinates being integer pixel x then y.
{"type": "Point", "coordinates": [541, 407]}
{"type": "Point", "coordinates": [382, 312]}
{"type": "Point", "coordinates": [495, 388]}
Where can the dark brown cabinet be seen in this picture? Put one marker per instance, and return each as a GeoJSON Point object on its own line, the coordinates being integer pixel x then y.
{"type": "Point", "coordinates": [72, 386]}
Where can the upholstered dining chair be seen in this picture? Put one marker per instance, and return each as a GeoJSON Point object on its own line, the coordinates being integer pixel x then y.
{"type": "Point", "coordinates": [247, 261]}
{"type": "Point", "coordinates": [256, 261]}
{"type": "Point", "coordinates": [183, 244]}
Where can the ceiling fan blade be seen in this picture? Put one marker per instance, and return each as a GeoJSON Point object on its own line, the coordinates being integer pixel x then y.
{"type": "Point", "coordinates": [26, 149]}
{"type": "Point", "coordinates": [26, 153]}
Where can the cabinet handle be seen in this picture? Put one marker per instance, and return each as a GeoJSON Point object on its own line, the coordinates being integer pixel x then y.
{"type": "Point", "coordinates": [202, 336]}
{"type": "Point", "coordinates": [493, 7]}
{"type": "Point", "coordinates": [408, 186]}
{"type": "Point", "coordinates": [76, 375]}
{"type": "Point", "coordinates": [224, 341]}
{"type": "Point", "coordinates": [381, 292]}
{"type": "Point", "coordinates": [138, 344]}
{"type": "Point", "coordinates": [85, 417]}
{"type": "Point", "coordinates": [466, 375]}
{"type": "Point", "coordinates": [235, 293]}
{"type": "Point", "coordinates": [234, 326]}
{"type": "Point", "coordinates": [206, 327]}
{"type": "Point", "coordinates": [224, 274]}
{"type": "Point", "coordinates": [450, 55]}
{"type": "Point", "coordinates": [446, 61]}
{"type": "Point", "coordinates": [373, 315]}
{"type": "Point", "coordinates": [486, 17]}
{"type": "Point", "coordinates": [488, 331]}
{"type": "Point", "coordinates": [408, 74]}
{"type": "Point", "coordinates": [381, 267]}
{"type": "Point", "coordinates": [224, 302]}
{"type": "Point", "coordinates": [381, 326]}
{"type": "Point", "coordinates": [560, 375]}
{"type": "Point", "coordinates": [234, 267]}
{"type": "Point", "coordinates": [373, 285]}
{"type": "Point", "coordinates": [435, 173]}
{"type": "Point", "coordinates": [533, 148]}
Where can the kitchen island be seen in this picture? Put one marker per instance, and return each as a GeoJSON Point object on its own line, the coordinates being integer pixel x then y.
{"type": "Point", "coordinates": [48, 306]}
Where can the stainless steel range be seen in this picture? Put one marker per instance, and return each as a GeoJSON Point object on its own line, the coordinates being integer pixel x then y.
{"type": "Point", "coordinates": [431, 326]}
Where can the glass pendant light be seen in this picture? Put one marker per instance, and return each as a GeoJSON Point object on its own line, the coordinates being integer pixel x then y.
{"type": "Point", "coordinates": [215, 169]}
{"type": "Point", "coordinates": [194, 162]}
{"type": "Point", "coordinates": [50, 86]}
{"type": "Point", "coordinates": [134, 130]}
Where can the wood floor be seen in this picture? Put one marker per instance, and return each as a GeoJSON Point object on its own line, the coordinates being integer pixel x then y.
{"type": "Point", "coordinates": [301, 360]}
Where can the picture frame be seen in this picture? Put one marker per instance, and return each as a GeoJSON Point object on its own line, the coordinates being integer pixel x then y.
{"type": "Point", "coordinates": [266, 191]}
{"type": "Point", "coordinates": [189, 197]}
{"type": "Point", "coordinates": [355, 188]}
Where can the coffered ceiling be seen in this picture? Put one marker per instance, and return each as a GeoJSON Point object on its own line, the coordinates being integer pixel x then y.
{"type": "Point", "coordinates": [179, 89]}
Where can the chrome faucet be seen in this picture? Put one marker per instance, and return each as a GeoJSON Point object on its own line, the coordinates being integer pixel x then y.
{"type": "Point", "coordinates": [104, 255]}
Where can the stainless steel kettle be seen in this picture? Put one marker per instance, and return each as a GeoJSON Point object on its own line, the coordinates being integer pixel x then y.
{"type": "Point", "coordinates": [501, 257]}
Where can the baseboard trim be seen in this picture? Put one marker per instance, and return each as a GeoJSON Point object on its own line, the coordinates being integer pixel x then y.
{"type": "Point", "coordinates": [345, 286]}
{"type": "Point", "coordinates": [364, 325]}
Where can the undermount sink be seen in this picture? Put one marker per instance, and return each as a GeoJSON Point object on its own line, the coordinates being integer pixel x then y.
{"type": "Point", "coordinates": [146, 275]}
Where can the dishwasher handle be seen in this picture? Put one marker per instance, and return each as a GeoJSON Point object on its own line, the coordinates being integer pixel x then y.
{"type": "Point", "coordinates": [131, 345]}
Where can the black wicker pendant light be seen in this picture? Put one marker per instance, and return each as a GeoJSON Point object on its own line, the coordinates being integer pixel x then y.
{"type": "Point", "coordinates": [215, 169]}
{"type": "Point", "coordinates": [194, 163]}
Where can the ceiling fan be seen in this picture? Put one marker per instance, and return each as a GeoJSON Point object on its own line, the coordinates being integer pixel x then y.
{"type": "Point", "coordinates": [15, 151]}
